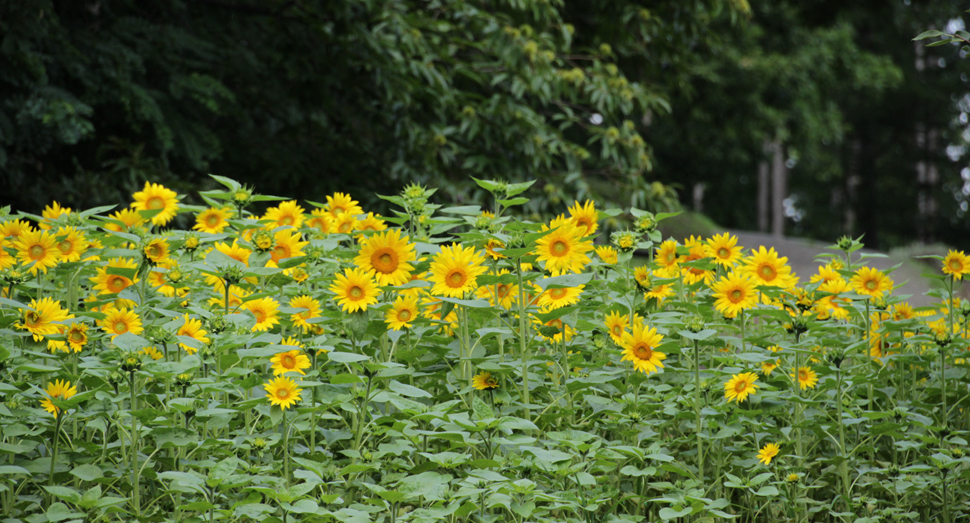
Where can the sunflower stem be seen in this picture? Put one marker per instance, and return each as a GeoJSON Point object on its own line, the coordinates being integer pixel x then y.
{"type": "Point", "coordinates": [697, 410]}
{"type": "Point", "coordinates": [57, 434]}
{"type": "Point", "coordinates": [286, 450]}
{"type": "Point", "coordinates": [844, 466]}
{"type": "Point", "coordinates": [136, 502]}
{"type": "Point", "coordinates": [523, 346]}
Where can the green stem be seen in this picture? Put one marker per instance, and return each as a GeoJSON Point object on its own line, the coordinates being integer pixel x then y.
{"type": "Point", "coordinates": [697, 410]}
{"type": "Point", "coordinates": [136, 502]}
{"type": "Point", "coordinates": [844, 466]}
{"type": "Point", "coordinates": [286, 450]}
{"type": "Point", "coordinates": [57, 434]}
{"type": "Point", "coordinates": [523, 346]}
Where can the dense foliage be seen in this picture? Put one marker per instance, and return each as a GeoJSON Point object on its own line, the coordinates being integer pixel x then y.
{"type": "Point", "coordinates": [457, 364]}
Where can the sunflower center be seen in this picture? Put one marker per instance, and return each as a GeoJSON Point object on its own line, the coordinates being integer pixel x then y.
{"type": "Point", "coordinates": [212, 220]}
{"type": "Point", "coordinates": [36, 252]}
{"type": "Point", "coordinates": [287, 220]}
{"type": "Point", "coordinates": [282, 394]}
{"type": "Point", "coordinates": [281, 252]}
{"type": "Point", "coordinates": [76, 336]}
{"type": "Point", "coordinates": [643, 352]}
{"type": "Point", "coordinates": [871, 285]}
{"type": "Point", "coordinates": [155, 202]}
{"type": "Point", "coordinates": [767, 272]}
{"type": "Point", "coordinates": [558, 294]}
{"type": "Point", "coordinates": [670, 258]}
{"type": "Point", "coordinates": [355, 292]}
{"type": "Point", "coordinates": [65, 246]}
{"type": "Point", "coordinates": [740, 386]}
{"type": "Point", "coordinates": [956, 266]}
{"type": "Point", "coordinates": [288, 361]}
{"type": "Point", "coordinates": [384, 261]}
{"type": "Point", "coordinates": [344, 227]}
{"type": "Point", "coordinates": [260, 315]}
{"type": "Point", "coordinates": [802, 375]}
{"type": "Point", "coordinates": [404, 315]}
{"type": "Point", "coordinates": [32, 319]}
{"type": "Point", "coordinates": [503, 289]}
{"type": "Point", "coordinates": [616, 330]}
{"type": "Point", "coordinates": [120, 327]}
{"type": "Point", "coordinates": [116, 284]}
{"type": "Point", "coordinates": [559, 248]}
{"type": "Point", "coordinates": [154, 251]}
{"type": "Point", "coordinates": [456, 278]}
{"type": "Point", "coordinates": [584, 222]}
{"type": "Point", "coordinates": [723, 253]}
{"type": "Point", "coordinates": [736, 295]}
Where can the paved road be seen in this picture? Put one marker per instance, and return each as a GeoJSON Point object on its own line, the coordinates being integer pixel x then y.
{"type": "Point", "coordinates": [801, 255]}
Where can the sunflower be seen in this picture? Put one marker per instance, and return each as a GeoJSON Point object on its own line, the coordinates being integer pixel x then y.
{"type": "Point", "coordinates": [641, 275]}
{"type": "Point", "coordinates": [52, 212]}
{"type": "Point", "coordinates": [625, 241]}
{"type": "Point", "coordinates": [124, 220]}
{"type": "Point", "coordinates": [806, 378]}
{"type": "Point", "coordinates": [120, 321]}
{"type": "Point", "coordinates": [616, 325]}
{"type": "Point", "coordinates": [455, 270]}
{"type": "Point", "coordinates": [355, 289]}
{"type": "Point", "coordinates": [903, 311]}
{"type": "Point", "coordinates": [768, 452]}
{"type": "Point", "coordinates": [320, 219]}
{"type": "Point", "coordinates": [77, 336]}
{"type": "Point", "coordinates": [235, 251]}
{"type": "Point", "coordinates": [658, 291]}
{"type": "Point", "coordinates": [14, 228]}
{"type": "Point", "coordinates": [212, 220]}
{"type": "Point", "coordinates": [108, 283]}
{"type": "Point", "coordinates": [7, 260]}
{"type": "Point", "coordinates": [607, 254]}
{"type": "Point", "coordinates": [432, 310]}
{"type": "Point", "coordinates": [42, 317]}
{"type": "Point", "coordinates": [506, 293]}
{"type": "Point", "coordinates": [826, 273]}
{"type": "Point", "coordinates": [561, 329]}
{"type": "Point", "coordinates": [490, 247]}
{"type": "Point", "coordinates": [767, 268]}
{"type": "Point", "coordinates": [152, 352]}
{"type": "Point", "coordinates": [559, 297]}
{"type": "Point", "coordinates": [371, 222]}
{"type": "Point", "coordinates": [386, 256]}
{"type": "Point", "coordinates": [724, 249]}
{"type": "Point", "coordinates": [265, 311]}
{"type": "Point", "coordinates": [585, 216]}
{"type": "Point", "coordinates": [282, 391]}
{"type": "Point", "coordinates": [956, 264]}
{"type": "Point", "coordinates": [697, 251]}
{"type": "Point", "coordinates": [287, 244]}
{"type": "Point", "coordinates": [300, 319]}
{"type": "Point", "coordinates": [740, 385]}
{"type": "Point", "coordinates": [563, 249]}
{"type": "Point", "coordinates": [39, 249]}
{"type": "Point", "coordinates": [668, 259]}
{"type": "Point", "coordinates": [156, 250]}
{"type": "Point", "coordinates": [236, 297]}
{"type": "Point", "coordinates": [71, 243]}
{"type": "Point", "coordinates": [638, 347]}
{"type": "Point", "coordinates": [343, 223]}
{"type": "Point", "coordinates": [832, 306]}
{"type": "Point", "coordinates": [484, 381]}
{"type": "Point", "coordinates": [156, 197]}
{"type": "Point", "coordinates": [735, 293]}
{"type": "Point", "coordinates": [767, 367]}
{"type": "Point", "coordinates": [290, 361]}
{"type": "Point", "coordinates": [57, 390]}
{"type": "Point", "coordinates": [871, 282]}
{"type": "Point", "coordinates": [192, 328]}
{"type": "Point", "coordinates": [402, 313]}
{"type": "Point", "coordinates": [287, 214]}
{"type": "Point", "coordinates": [341, 203]}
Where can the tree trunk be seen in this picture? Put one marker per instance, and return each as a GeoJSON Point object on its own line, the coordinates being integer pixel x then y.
{"type": "Point", "coordinates": [779, 190]}
{"type": "Point", "coordinates": [764, 189]}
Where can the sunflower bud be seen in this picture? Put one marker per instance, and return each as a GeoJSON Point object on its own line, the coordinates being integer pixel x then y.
{"type": "Point", "coordinates": [242, 197]}
{"type": "Point", "coordinates": [263, 241]}
{"type": "Point", "coordinates": [258, 443]}
{"type": "Point", "coordinates": [893, 471]}
{"type": "Point", "coordinates": [792, 478]}
{"type": "Point", "coordinates": [624, 241]}
{"type": "Point", "coordinates": [942, 339]}
{"type": "Point", "coordinates": [131, 364]}
{"type": "Point", "coordinates": [645, 224]}
{"type": "Point", "coordinates": [191, 243]}
{"type": "Point", "coordinates": [695, 324]}
{"type": "Point", "coordinates": [232, 275]}
{"type": "Point", "coordinates": [845, 243]}
{"type": "Point", "coordinates": [12, 403]}
{"type": "Point", "coordinates": [14, 276]}
{"type": "Point", "coordinates": [880, 303]}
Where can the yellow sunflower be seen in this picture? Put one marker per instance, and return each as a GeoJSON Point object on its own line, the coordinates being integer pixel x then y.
{"type": "Point", "coordinates": [371, 222]}
{"type": "Point", "coordinates": [320, 219]}
{"type": "Point", "coordinates": [831, 305]}
{"type": "Point", "coordinates": [697, 252]}
{"type": "Point", "coordinates": [641, 275]}
{"type": "Point", "coordinates": [341, 203]}
{"type": "Point", "coordinates": [107, 283]}
{"type": "Point", "coordinates": [767, 367]}
{"type": "Point", "coordinates": [638, 347]}
{"type": "Point", "coordinates": [71, 243]}
{"type": "Point", "coordinates": [7, 260]}
{"type": "Point", "coordinates": [563, 250]}
{"type": "Point", "coordinates": [455, 271]}
{"type": "Point", "coordinates": [152, 352]}
{"type": "Point", "coordinates": [668, 259]}
{"type": "Point", "coordinates": [52, 212]}
{"type": "Point", "coordinates": [767, 268]}
{"type": "Point", "coordinates": [386, 256]}
{"type": "Point", "coordinates": [236, 297]}
{"type": "Point", "coordinates": [432, 310]}
{"type": "Point", "coordinates": [490, 247]}
{"type": "Point", "coordinates": [956, 264]}
{"type": "Point", "coordinates": [213, 220]}
{"type": "Point", "coordinates": [658, 291]}
{"type": "Point", "coordinates": [120, 321]}
{"type": "Point", "coordinates": [734, 293]}
{"type": "Point", "coordinates": [616, 324]}
{"type": "Point", "coordinates": [42, 316]}
{"type": "Point", "coordinates": [724, 250]}
{"type": "Point", "coordinates": [282, 391]}
{"type": "Point", "coordinates": [266, 311]}
{"type": "Point", "coordinates": [57, 390]}
{"type": "Point", "coordinates": [826, 273]}
{"type": "Point", "coordinates": [484, 381]}
{"type": "Point", "coordinates": [740, 386]}
{"type": "Point", "coordinates": [558, 298]}
{"type": "Point", "coordinates": [192, 328]}
{"type": "Point", "coordinates": [156, 250]}
{"type": "Point", "coordinates": [343, 223]}
{"type": "Point", "coordinates": [871, 282]}
{"type": "Point", "coordinates": [768, 452]}
{"type": "Point", "coordinates": [301, 319]}
{"type": "Point", "coordinates": [77, 336]}
{"type": "Point", "coordinates": [124, 220]}
{"type": "Point", "coordinates": [156, 197]}
{"type": "Point", "coordinates": [13, 229]}
{"type": "Point", "coordinates": [402, 313]}
{"type": "Point", "coordinates": [286, 214]}
{"type": "Point", "coordinates": [39, 249]}
{"type": "Point", "coordinates": [290, 361]}
{"type": "Point", "coordinates": [607, 254]}
{"type": "Point", "coordinates": [562, 329]}
{"type": "Point", "coordinates": [806, 378]}
{"type": "Point", "coordinates": [287, 244]}
{"type": "Point", "coordinates": [585, 216]}
{"type": "Point", "coordinates": [355, 289]}
{"type": "Point", "coordinates": [501, 294]}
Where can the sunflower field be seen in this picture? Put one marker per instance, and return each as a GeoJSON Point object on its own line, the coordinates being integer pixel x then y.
{"type": "Point", "coordinates": [460, 364]}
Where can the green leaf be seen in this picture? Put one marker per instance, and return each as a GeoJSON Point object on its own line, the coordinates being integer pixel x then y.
{"type": "Point", "coordinates": [929, 34]}
{"type": "Point", "coordinates": [87, 472]}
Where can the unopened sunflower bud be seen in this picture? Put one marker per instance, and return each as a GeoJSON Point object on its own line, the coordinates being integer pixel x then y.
{"type": "Point", "coordinates": [232, 275]}
{"type": "Point", "coordinates": [624, 241]}
{"type": "Point", "coordinates": [942, 339]}
{"type": "Point", "coordinates": [880, 303]}
{"type": "Point", "coordinates": [694, 324]}
{"type": "Point", "coordinates": [242, 197]}
{"type": "Point", "coordinates": [191, 242]}
{"type": "Point", "coordinates": [131, 363]}
{"type": "Point", "coordinates": [645, 224]}
{"type": "Point", "coordinates": [792, 478]}
{"type": "Point", "coordinates": [844, 243]}
{"type": "Point", "coordinates": [258, 443]}
{"type": "Point", "coordinates": [263, 241]}
{"type": "Point", "coordinates": [175, 276]}
{"type": "Point", "coordinates": [12, 403]}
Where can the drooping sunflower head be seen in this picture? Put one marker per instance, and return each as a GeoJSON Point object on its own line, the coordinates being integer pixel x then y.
{"type": "Point", "coordinates": [283, 392]}
{"type": "Point", "coordinates": [354, 290]}
{"type": "Point", "coordinates": [455, 270]}
{"type": "Point", "coordinates": [740, 386]}
{"type": "Point", "coordinates": [387, 255]}
{"type": "Point", "coordinates": [402, 313]}
{"type": "Point", "coordinates": [484, 381]}
{"type": "Point", "coordinates": [585, 216]}
{"type": "Point", "coordinates": [155, 197]}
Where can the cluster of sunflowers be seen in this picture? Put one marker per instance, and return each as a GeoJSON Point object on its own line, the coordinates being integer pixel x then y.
{"type": "Point", "coordinates": [251, 315]}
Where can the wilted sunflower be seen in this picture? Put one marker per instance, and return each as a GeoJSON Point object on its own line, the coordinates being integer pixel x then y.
{"type": "Point", "coordinates": [806, 378]}
{"type": "Point", "coordinates": [735, 293]}
{"type": "Point", "coordinates": [290, 361]}
{"type": "Point", "coordinates": [39, 249]}
{"type": "Point", "coordinates": [638, 347]}
{"type": "Point", "coordinates": [300, 319]}
{"type": "Point", "coordinates": [387, 255]}
{"type": "Point", "coordinates": [871, 282]}
{"type": "Point", "coordinates": [355, 289]}
{"type": "Point", "coordinates": [585, 216]}
{"type": "Point", "coordinates": [286, 214]}
{"type": "Point", "coordinates": [57, 390]}
{"type": "Point", "coordinates": [484, 381]}
{"type": "Point", "coordinates": [107, 283]}
{"type": "Point", "coordinates": [455, 270]}
{"type": "Point", "coordinates": [402, 313]}
{"type": "Point", "coordinates": [212, 220]}
{"type": "Point", "coordinates": [563, 250]}
{"type": "Point", "coordinates": [192, 328]}
{"type": "Point", "coordinates": [768, 452]}
{"type": "Point", "coordinates": [740, 386]}
{"type": "Point", "coordinates": [956, 264]}
{"type": "Point", "coordinates": [120, 321]}
{"type": "Point", "coordinates": [282, 391]}
{"type": "Point", "coordinates": [71, 243]}
{"type": "Point", "coordinates": [265, 310]}
{"type": "Point", "coordinates": [156, 197]}
{"type": "Point", "coordinates": [724, 250]}
{"type": "Point", "coordinates": [42, 317]}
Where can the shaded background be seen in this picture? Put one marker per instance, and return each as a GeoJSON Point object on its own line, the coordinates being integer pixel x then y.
{"type": "Point", "coordinates": [808, 118]}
